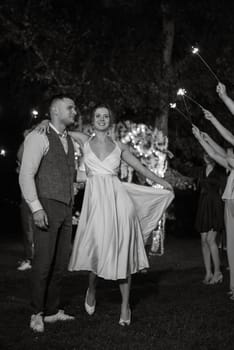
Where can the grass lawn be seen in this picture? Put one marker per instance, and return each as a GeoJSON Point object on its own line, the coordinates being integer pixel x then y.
{"type": "Point", "coordinates": [171, 308]}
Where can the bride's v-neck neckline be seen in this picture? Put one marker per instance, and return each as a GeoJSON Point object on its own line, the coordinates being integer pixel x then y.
{"type": "Point", "coordinates": [102, 160]}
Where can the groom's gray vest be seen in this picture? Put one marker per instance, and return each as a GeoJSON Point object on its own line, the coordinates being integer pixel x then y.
{"type": "Point", "coordinates": [55, 176]}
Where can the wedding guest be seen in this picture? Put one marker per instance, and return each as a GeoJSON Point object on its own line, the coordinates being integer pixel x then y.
{"type": "Point", "coordinates": [224, 132]}
{"type": "Point", "coordinates": [115, 216]}
{"type": "Point", "coordinates": [225, 159]}
{"type": "Point", "coordinates": [210, 217]}
{"type": "Point", "coordinates": [46, 180]}
{"type": "Point", "coordinates": [221, 90]}
{"type": "Point", "coordinates": [26, 220]}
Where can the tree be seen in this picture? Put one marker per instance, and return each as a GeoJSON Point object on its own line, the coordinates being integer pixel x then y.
{"type": "Point", "coordinates": [168, 32]}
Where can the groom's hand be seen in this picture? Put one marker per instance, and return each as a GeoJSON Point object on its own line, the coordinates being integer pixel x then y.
{"type": "Point", "coordinates": [40, 219]}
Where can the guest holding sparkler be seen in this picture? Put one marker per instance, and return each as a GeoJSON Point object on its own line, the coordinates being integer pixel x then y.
{"type": "Point", "coordinates": [227, 135]}
{"type": "Point", "coordinates": [222, 92]}
{"type": "Point", "coordinates": [225, 159]}
{"type": "Point", "coordinates": [210, 217]}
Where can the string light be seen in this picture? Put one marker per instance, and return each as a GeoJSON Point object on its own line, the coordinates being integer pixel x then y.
{"type": "Point", "coordinates": [34, 113]}
{"type": "Point", "coordinates": [152, 148]}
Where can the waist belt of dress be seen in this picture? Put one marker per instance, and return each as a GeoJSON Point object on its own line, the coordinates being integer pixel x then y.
{"type": "Point", "coordinates": [91, 175]}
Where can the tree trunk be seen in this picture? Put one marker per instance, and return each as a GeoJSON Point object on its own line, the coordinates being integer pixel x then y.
{"type": "Point", "coordinates": [168, 30]}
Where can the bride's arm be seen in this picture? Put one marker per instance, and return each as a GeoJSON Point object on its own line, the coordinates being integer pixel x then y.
{"type": "Point", "coordinates": [131, 160]}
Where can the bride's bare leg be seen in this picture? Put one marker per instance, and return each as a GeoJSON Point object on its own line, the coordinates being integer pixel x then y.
{"type": "Point", "coordinates": [124, 286]}
{"type": "Point", "coordinates": [92, 288]}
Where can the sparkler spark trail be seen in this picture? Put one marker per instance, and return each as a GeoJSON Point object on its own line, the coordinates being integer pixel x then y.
{"type": "Point", "coordinates": [173, 106]}
{"type": "Point", "coordinates": [195, 51]}
{"type": "Point", "coordinates": [186, 106]}
{"type": "Point", "coordinates": [183, 93]}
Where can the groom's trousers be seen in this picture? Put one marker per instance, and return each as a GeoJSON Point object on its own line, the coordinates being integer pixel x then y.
{"type": "Point", "coordinates": [51, 254]}
{"type": "Point", "coordinates": [27, 229]}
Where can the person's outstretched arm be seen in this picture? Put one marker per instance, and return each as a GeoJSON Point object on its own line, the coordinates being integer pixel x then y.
{"type": "Point", "coordinates": [218, 149]}
{"type": "Point", "coordinates": [227, 135]}
{"type": "Point", "coordinates": [230, 158]}
{"type": "Point", "coordinates": [131, 160]}
{"type": "Point", "coordinates": [222, 92]}
{"type": "Point", "coordinates": [221, 160]}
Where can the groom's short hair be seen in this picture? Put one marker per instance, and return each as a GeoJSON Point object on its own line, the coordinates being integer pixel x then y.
{"type": "Point", "coordinates": [58, 97]}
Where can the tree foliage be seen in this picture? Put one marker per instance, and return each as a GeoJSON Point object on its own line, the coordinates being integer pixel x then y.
{"type": "Point", "coordinates": [133, 54]}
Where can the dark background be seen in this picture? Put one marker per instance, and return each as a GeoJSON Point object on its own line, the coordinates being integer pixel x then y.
{"type": "Point", "coordinates": [113, 51]}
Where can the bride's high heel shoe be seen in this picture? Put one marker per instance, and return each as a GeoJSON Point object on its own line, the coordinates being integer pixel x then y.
{"type": "Point", "coordinates": [127, 322]}
{"type": "Point", "coordinates": [230, 293]}
{"type": "Point", "coordinates": [217, 279]}
{"type": "Point", "coordinates": [89, 309]}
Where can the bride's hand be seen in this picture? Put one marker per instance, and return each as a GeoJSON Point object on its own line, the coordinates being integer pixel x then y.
{"type": "Point", "coordinates": [167, 186]}
{"type": "Point", "coordinates": [43, 127]}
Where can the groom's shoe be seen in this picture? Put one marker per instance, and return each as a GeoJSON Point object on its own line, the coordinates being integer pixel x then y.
{"type": "Point", "coordinates": [60, 316]}
{"type": "Point", "coordinates": [24, 265]}
{"type": "Point", "coordinates": [36, 323]}
{"type": "Point", "coordinates": [89, 309]}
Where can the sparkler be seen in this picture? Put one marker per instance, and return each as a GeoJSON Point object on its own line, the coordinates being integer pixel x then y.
{"type": "Point", "coordinates": [173, 106]}
{"type": "Point", "coordinates": [195, 51]}
{"type": "Point", "coordinates": [183, 93]}
{"type": "Point", "coordinates": [186, 106]}
{"type": "Point", "coordinates": [2, 152]}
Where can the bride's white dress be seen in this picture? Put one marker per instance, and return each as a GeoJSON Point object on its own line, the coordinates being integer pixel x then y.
{"type": "Point", "coordinates": [115, 220]}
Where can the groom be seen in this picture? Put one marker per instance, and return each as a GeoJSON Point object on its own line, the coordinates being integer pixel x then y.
{"type": "Point", "coordinates": [46, 180]}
